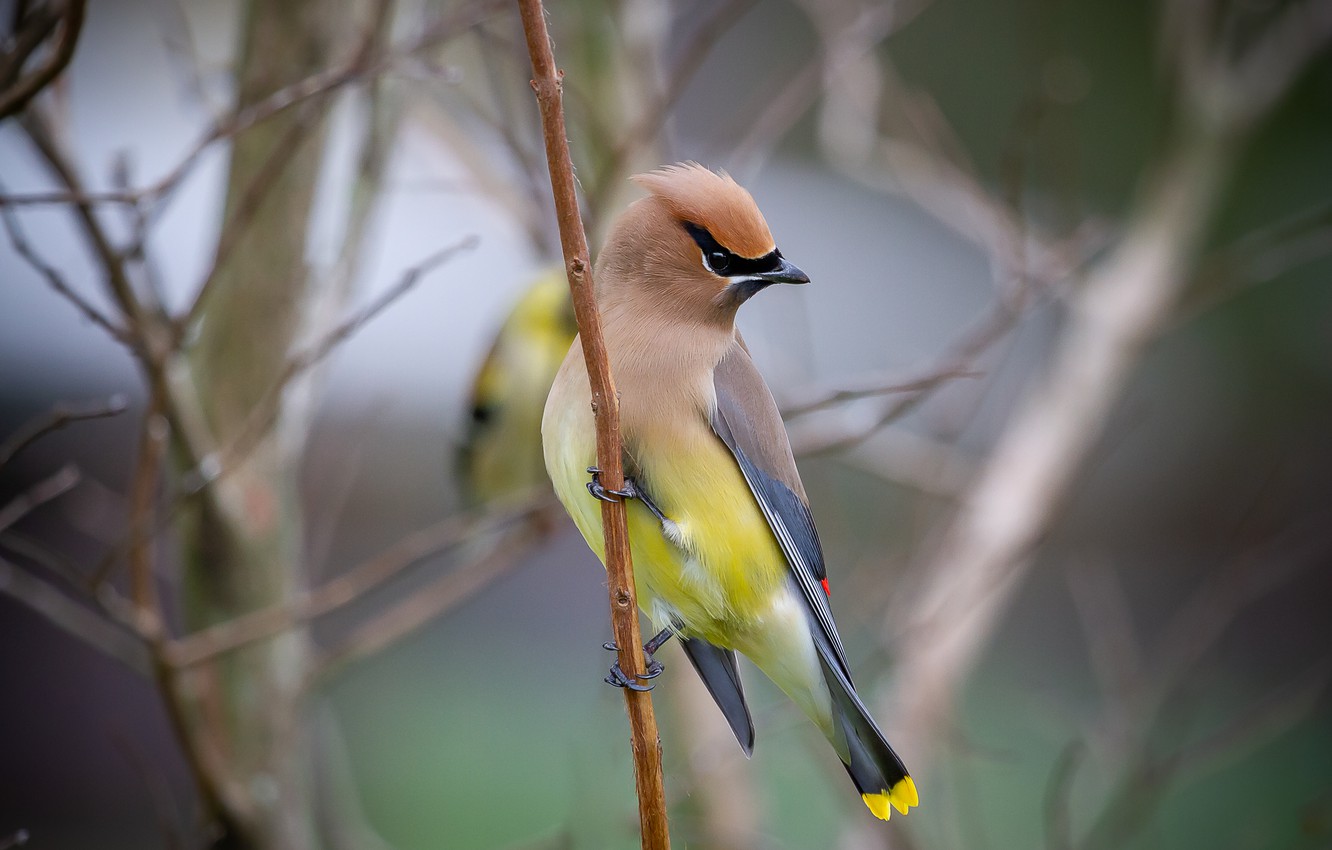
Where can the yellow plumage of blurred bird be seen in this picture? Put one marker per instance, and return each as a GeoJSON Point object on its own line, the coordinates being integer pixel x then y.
{"type": "Point", "coordinates": [726, 556]}
{"type": "Point", "coordinates": [500, 456]}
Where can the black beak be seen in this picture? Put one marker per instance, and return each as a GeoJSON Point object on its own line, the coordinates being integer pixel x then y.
{"type": "Point", "coordinates": [786, 272]}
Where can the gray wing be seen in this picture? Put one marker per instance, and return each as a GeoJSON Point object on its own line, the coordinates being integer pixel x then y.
{"type": "Point", "coordinates": [748, 422]}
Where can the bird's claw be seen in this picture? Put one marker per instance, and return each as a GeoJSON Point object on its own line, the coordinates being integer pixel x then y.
{"type": "Point", "coordinates": [629, 490]}
{"type": "Point", "coordinates": [606, 494]}
{"type": "Point", "coordinates": [620, 679]}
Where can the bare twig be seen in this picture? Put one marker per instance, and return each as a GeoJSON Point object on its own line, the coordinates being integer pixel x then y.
{"type": "Point", "coordinates": [661, 104]}
{"type": "Point", "coordinates": [51, 562]}
{"type": "Point", "coordinates": [261, 417]}
{"type": "Point", "coordinates": [1126, 301]}
{"type": "Point", "coordinates": [1260, 256]}
{"type": "Point", "coordinates": [435, 599]}
{"type": "Point", "coordinates": [20, 89]}
{"type": "Point", "coordinates": [55, 280]}
{"type": "Point", "coordinates": [58, 417]}
{"type": "Point", "coordinates": [820, 398]}
{"type": "Point", "coordinates": [150, 340]}
{"type": "Point", "coordinates": [646, 741]}
{"type": "Point", "coordinates": [348, 588]}
{"type": "Point", "coordinates": [39, 494]}
{"type": "Point", "coordinates": [1120, 308]}
{"type": "Point", "coordinates": [39, 131]}
{"type": "Point", "coordinates": [845, 431]}
{"type": "Point", "coordinates": [361, 66]}
{"type": "Point", "coordinates": [143, 500]}
{"type": "Point", "coordinates": [92, 627]}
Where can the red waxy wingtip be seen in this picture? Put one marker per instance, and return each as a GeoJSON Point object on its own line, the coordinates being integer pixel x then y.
{"type": "Point", "coordinates": [826, 588]}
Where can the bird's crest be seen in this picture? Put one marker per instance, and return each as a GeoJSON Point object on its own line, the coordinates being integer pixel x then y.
{"type": "Point", "coordinates": [714, 202]}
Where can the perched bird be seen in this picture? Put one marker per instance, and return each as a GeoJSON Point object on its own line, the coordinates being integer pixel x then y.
{"type": "Point", "coordinates": [500, 456]}
{"type": "Point", "coordinates": [724, 548]}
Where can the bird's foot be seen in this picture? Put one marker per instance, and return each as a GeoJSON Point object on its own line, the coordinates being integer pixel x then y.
{"type": "Point", "coordinates": [605, 494]}
{"type": "Point", "coordinates": [630, 490]}
{"type": "Point", "coordinates": [652, 667]}
{"type": "Point", "coordinates": [621, 679]}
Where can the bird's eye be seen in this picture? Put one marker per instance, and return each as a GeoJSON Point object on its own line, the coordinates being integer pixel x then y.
{"type": "Point", "coordinates": [482, 413]}
{"type": "Point", "coordinates": [719, 261]}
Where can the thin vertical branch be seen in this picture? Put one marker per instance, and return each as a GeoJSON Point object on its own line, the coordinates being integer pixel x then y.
{"type": "Point", "coordinates": [605, 404]}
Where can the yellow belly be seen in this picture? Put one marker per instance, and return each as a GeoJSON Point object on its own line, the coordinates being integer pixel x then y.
{"type": "Point", "coordinates": [716, 567]}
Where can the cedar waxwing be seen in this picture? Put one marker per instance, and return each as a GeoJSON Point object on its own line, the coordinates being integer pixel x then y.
{"type": "Point", "coordinates": [724, 548]}
{"type": "Point", "coordinates": [501, 453]}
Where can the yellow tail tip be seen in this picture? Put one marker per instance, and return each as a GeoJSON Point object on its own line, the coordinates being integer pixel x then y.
{"type": "Point", "coordinates": [902, 797]}
{"type": "Point", "coordinates": [904, 794]}
{"type": "Point", "coordinates": [878, 805]}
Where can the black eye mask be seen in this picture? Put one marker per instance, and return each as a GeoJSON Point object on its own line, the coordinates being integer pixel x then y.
{"type": "Point", "coordinates": [724, 262]}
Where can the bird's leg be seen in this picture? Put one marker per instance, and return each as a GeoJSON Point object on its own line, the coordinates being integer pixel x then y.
{"type": "Point", "coordinates": [655, 667]}
{"type": "Point", "coordinates": [620, 679]}
{"type": "Point", "coordinates": [630, 490]}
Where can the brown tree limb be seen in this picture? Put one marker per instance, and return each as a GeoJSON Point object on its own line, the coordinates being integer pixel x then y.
{"type": "Point", "coordinates": [58, 417]}
{"type": "Point", "coordinates": [20, 89]}
{"type": "Point", "coordinates": [646, 740]}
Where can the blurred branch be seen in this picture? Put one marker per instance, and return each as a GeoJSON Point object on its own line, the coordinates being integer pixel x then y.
{"type": "Point", "coordinates": [260, 418]}
{"type": "Point", "coordinates": [349, 587]}
{"type": "Point", "coordinates": [145, 329]}
{"type": "Point", "coordinates": [35, 553]}
{"type": "Point", "coordinates": [1134, 719]}
{"type": "Point", "coordinates": [1258, 257]}
{"type": "Point", "coordinates": [143, 500]}
{"type": "Point", "coordinates": [846, 36]}
{"type": "Point", "coordinates": [55, 280]}
{"type": "Point", "coordinates": [33, 27]}
{"type": "Point", "coordinates": [660, 104]}
{"type": "Point", "coordinates": [58, 417]}
{"type": "Point", "coordinates": [1123, 303]}
{"type": "Point", "coordinates": [92, 627]}
{"type": "Point", "coordinates": [425, 605]}
{"type": "Point", "coordinates": [646, 741]}
{"type": "Point", "coordinates": [42, 135]}
{"type": "Point", "coordinates": [1127, 299]}
{"type": "Point", "coordinates": [214, 468]}
{"type": "Point", "coordinates": [1103, 609]}
{"type": "Point", "coordinates": [844, 429]}
{"type": "Point", "coordinates": [362, 65]}
{"type": "Point", "coordinates": [39, 494]}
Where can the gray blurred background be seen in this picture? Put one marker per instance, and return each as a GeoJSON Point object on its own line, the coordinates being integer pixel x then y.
{"type": "Point", "coordinates": [1150, 656]}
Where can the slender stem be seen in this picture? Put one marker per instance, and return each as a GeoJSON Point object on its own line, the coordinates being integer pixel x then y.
{"type": "Point", "coordinates": [605, 404]}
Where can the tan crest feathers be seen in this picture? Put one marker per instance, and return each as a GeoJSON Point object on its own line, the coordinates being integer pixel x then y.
{"type": "Point", "coordinates": [713, 201]}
